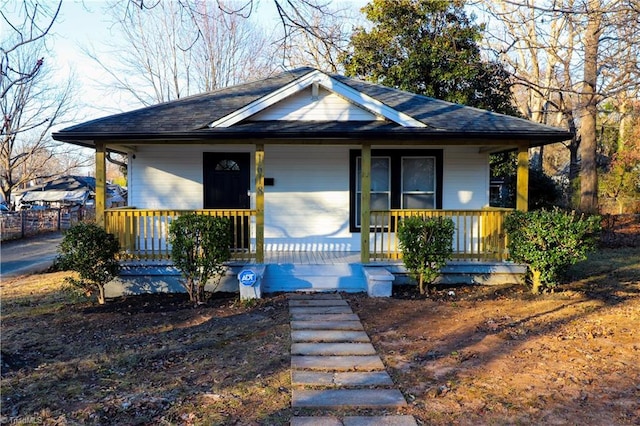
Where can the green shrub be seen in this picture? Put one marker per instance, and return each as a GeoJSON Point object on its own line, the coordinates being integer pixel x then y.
{"type": "Point", "coordinates": [426, 244]}
{"type": "Point", "coordinates": [91, 252]}
{"type": "Point", "coordinates": [549, 241]}
{"type": "Point", "coordinates": [199, 247]}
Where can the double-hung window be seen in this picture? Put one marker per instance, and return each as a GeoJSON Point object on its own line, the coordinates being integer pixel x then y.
{"type": "Point", "coordinates": [400, 179]}
{"type": "Point", "coordinates": [380, 185]}
{"type": "Point", "coordinates": [418, 183]}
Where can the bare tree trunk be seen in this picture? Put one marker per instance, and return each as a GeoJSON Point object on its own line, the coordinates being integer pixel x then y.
{"type": "Point", "coordinates": [421, 284]}
{"type": "Point", "coordinates": [589, 102]}
{"type": "Point", "coordinates": [536, 283]}
{"type": "Point", "coordinates": [574, 165]}
{"type": "Point", "coordinates": [101, 297]}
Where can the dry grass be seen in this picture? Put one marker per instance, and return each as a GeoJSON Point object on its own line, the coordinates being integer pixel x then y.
{"type": "Point", "coordinates": [488, 355]}
{"type": "Point", "coordinates": [492, 355]}
{"type": "Point", "coordinates": [142, 360]}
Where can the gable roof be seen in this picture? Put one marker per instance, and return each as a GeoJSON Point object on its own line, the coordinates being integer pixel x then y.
{"type": "Point", "coordinates": [65, 189]}
{"type": "Point", "coordinates": [224, 114]}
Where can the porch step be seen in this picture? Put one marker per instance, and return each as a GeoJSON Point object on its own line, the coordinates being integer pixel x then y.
{"type": "Point", "coordinates": [314, 278]}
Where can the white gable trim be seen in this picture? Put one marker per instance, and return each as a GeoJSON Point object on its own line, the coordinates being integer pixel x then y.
{"type": "Point", "coordinates": [318, 77]}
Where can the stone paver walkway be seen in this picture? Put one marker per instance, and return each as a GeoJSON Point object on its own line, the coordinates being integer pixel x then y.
{"type": "Point", "coordinates": [334, 366]}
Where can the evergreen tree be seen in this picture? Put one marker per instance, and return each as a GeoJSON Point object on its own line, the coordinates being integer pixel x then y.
{"type": "Point", "coordinates": [429, 47]}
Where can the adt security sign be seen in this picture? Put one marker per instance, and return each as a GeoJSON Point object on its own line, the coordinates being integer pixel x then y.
{"type": "Point", "coordinates": [247, 277]}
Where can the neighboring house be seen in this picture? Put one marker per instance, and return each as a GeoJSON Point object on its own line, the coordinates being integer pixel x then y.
{"type": "Point", "coordinates": [59, 192]}
{"type": "Point", "coordinates": [68, 191]}
{"type": "Point", "coordinates": [303, 161]}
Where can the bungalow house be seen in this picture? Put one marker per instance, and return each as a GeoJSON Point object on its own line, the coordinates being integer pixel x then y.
{"type": "Point", "coordinates": [302, 163]}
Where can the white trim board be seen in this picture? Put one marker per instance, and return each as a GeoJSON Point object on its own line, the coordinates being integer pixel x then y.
{"type": "Point", "coordinates": [318, 77]}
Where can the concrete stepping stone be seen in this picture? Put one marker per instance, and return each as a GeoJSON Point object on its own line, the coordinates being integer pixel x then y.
{"type": "Point", "coordinates": [316, 421]}
{"type": "Point", "coordinates": [313, 296]}
{"type": "Point", "coordinates": [329, 335]}
{"type": "Point", "coordinates": [379, 421]}
{"type": "Point", "coordinates": [350, 378]}
{"type": "Point", "coordinates": [327, 325]}
{"type": "Point", "coordinates": [307, 310]}
{"type": "Point", "coordinates": [337, 363]}
{"type": "Point", "coordinates": [354, 421]}
{"type": "Point", "coordinates": [351, 398]}
{"type": "Point", "coordinates": [332, 349]}
{"type": "Point", "coordinates": [324, 317]}
{"type": "Point", "coordinates": [317, 302]}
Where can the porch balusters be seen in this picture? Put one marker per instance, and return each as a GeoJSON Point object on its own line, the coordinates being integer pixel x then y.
{"type": "Point", "coordinates": [479, 234]}
{"type": "Point", "coordinates": [144, 233]}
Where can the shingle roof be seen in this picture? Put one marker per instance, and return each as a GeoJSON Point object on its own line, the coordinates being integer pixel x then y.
{"type": "Point", "coordinates": [188, 118]}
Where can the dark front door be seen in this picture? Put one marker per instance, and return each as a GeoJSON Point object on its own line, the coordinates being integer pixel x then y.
{"type": "Point", "coordinates": [226, 186]}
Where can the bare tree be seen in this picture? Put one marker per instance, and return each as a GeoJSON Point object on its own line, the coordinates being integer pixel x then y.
{"type": "Point", "coordinates": [30, 101]}
{"type": "Point", "coordinates": [301, 47]}
{"type": "Point", "coordinates": [567, 56]}
{"type": "Point", "coordinates": [312, 32]}
{"type": "Point", "coordinates": [174, 49]}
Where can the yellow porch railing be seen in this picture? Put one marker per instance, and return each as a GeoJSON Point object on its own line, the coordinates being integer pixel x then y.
{"type": "Point", "coordinates": [479, 234]}
{"type": "Point", "coordinates": [143, 233]}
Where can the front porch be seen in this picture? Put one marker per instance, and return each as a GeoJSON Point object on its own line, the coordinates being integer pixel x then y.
{"type": "Point", "coordinates": [143, 236]}
{"type": "Point", "coordinates": [479, 246]}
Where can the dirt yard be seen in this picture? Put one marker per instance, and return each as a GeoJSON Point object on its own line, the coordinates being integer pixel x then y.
{"type": "Point", "coordinates": [502, 356]}
{"type": "Point", "coordinates": [465, 356]}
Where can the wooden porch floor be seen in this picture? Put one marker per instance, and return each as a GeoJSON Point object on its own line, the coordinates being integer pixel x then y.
{"type": "Point", "coordinates": [312, 257]}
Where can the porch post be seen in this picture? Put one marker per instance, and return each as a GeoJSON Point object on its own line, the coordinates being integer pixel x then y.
{"type": "Point", "coordinates": [101, 182]}
{"type": "Point", "coordinates": [522, 192]}
{"type": "Point", "coordinates": [259, 203]}
{"type": "Point", "coordinates": [365, 202]}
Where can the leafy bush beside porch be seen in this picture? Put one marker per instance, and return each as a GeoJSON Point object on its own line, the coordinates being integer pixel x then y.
{"type": "Point", "coordinates": [199, 247]}
{"type": "Point", "coordinates": [549, 241]}
{"type": "Point", "coordinates": [426, 245]}
{"type": "Point", "coordinates": [91, 252]}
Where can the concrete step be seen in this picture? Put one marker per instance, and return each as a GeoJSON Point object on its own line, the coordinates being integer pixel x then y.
{"type": "Point", "coordinates": [314, 284]}
{"type": "Point", "coordinates": [324, 317]}
{"type": "Point", "coordinates": [327, 325]}
{"type": "Point", "coordinates": [337, 363]}
{"type": "Point", "coordinates": [317, 302]}
{"type": "Point", "coordinates": [332, 349]}
{"type": "Point", "coordinates": [320, 310]}
{"type": "Point", "coordinates": [329, 335]}
{"type": "Point", "coordinates": [347, 398]}
{"type": "Point", "coordinates": [310, 270]}
{"type": "Point", "coordinates": [319, 378]}
{"type": "Point", "coordinates": [354, 421]}
{"type": "Point", "coordinates": [324, 277]}
{"type": "Point", "coordinates": [314, 296]}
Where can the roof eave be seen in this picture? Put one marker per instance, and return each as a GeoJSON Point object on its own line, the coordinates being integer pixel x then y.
{"type": "Point", "coordinates": [88, 139]}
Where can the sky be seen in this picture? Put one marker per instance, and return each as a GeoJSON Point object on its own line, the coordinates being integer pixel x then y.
{"type": "Point", "coordinates": [84, 24]}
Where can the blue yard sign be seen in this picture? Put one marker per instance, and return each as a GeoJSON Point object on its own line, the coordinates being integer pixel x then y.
{"type": "Point", "coordinates": [247, 277]}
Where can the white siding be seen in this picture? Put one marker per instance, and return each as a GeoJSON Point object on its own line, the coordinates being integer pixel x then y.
{"type": "Point", "coordinates": [308, 206]}
{"type": "Point", "coordinates": [466, 178]}
{"type": "Point", "coordinates": [169, 177]}
{"type": "Point", "coordinates": [302, 107]}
